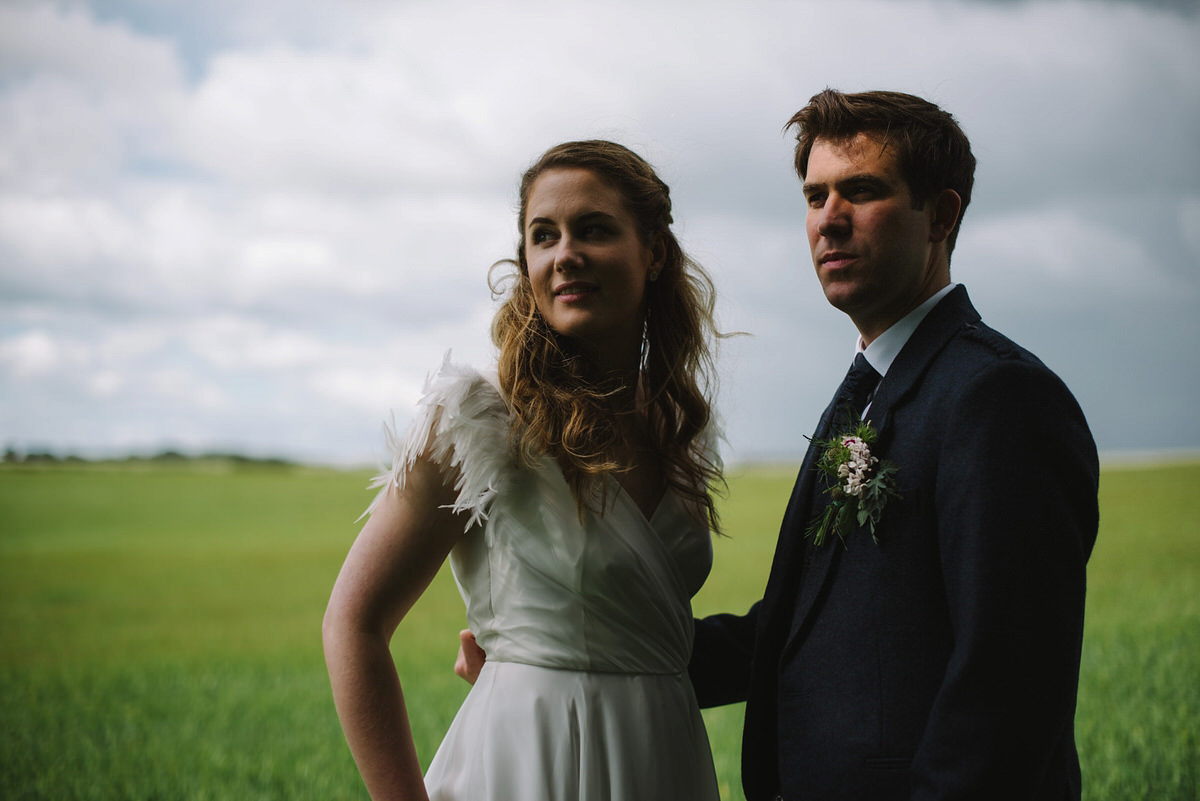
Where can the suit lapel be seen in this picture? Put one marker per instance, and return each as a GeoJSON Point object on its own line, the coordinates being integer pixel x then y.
{"type": "Point", "coordinates": [790, 548]}
{"type": "Point", "coordinates": [942, 324]}
{"type": "Point", "coordinates": [939, 326]}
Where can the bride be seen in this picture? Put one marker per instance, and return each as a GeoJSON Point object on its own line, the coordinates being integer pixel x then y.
{"type": "Point", "coordinates": [570, 490]}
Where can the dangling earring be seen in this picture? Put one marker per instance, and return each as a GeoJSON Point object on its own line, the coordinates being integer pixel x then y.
{"type": "Point", "coordinates": [643, 356]}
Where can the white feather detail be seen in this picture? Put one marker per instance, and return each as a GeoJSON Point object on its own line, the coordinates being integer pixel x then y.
{"type": "Point", "coordinates": [462, 423]}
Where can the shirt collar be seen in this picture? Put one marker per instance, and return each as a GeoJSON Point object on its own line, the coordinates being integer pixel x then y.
{"type": "Point", "coordinates": [884, 348]}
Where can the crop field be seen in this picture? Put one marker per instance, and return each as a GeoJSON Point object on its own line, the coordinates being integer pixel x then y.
{"type": "Point", "coordinates": [160, 632]}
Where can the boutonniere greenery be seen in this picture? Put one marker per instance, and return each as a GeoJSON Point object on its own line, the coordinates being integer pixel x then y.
{"type": "Point", "coordinates": [859, 485]}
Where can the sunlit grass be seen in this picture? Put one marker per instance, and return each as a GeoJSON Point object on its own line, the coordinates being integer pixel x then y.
{"type": "Point", "coordinates": [160, 633]}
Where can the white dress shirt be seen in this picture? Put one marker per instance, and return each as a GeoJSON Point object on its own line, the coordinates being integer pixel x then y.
{"type": "Point", "coordinates": [884, 348]}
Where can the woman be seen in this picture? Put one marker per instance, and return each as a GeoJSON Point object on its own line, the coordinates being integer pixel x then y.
{"type": "Point", "coordinates": [571, 494]}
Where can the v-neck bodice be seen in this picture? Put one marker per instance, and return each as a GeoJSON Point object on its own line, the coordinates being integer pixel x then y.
{"type": "Point", "coordinates": [543, 584]}
{"type": "Point", "coordinates": [586, 620]}
{"type": "Point", "coordinates": [610, 592]}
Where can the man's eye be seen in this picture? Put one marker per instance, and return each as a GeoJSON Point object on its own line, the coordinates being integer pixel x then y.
{"type": "Point", "coordinates": [816, 201]}
{"type": "Point", "coordinates": [863, 192]}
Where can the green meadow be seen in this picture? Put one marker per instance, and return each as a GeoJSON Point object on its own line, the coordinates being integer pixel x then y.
{"type": "Point", "coordinates": [160, 632]}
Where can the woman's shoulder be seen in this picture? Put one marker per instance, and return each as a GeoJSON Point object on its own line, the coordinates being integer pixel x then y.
{"type": "Point", "coordinates": [455, 390]}
{"type": "Point", "coordinates": [453, 380]}
{"type": "Point", "coordinates": [461, 423]}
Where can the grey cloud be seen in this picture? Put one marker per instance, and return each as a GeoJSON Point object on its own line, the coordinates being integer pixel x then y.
{"type": "Point", "coordinates": [290, 268]}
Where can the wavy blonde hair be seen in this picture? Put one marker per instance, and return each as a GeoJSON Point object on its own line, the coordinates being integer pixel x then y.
{"type": "Point", "coordinates": [560, 403]}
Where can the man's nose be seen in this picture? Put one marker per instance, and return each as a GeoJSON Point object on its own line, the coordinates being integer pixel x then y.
{"type": "Point", "coordinates": [834, 219]}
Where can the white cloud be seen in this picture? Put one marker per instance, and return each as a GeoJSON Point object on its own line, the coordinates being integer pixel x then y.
{"type": "Point", "coordinates": [230, 343]}
{"type": "Point", "coordinates": [297, 223]}
{"type": "Point", "coordinates": [362, 388]}
{"type": "Point", "coordinates": [181, 386]}
{"type": "Point", "coordinates": [106, 383]}
{"type": "Point", "coordinates": [63, 39]}
{"type": "Point", "coordinates": [58, 233]}
{"type": "Point", "coordinates": [323, 121]}
{"type": "Point", "coordinates": [81, 99]}
{"type": "Point", "coordinates": [31, 353]}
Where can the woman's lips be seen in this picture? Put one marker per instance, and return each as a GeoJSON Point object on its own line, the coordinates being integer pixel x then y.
{"type": "Point", "coordinates": [576, 290]}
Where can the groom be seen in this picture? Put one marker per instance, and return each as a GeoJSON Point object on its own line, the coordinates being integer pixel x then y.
{"type": "Point", "coordinates": [938, 658]}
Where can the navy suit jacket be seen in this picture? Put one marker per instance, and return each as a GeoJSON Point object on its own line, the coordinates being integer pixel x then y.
{"type": "Point", "coordinates": [943, 662]}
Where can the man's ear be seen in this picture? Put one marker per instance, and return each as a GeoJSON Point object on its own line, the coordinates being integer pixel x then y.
{"type": "Point", "coordinates": [946, 205]}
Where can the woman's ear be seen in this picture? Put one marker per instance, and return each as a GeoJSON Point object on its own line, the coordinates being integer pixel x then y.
{"type": "Point", "coordinates": [658, 254]}
{"type": "Point", "coordinates": [947, 205]}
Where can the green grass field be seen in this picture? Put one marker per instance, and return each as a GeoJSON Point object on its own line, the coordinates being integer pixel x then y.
{"type": "Point", "coordinates": [160, 632]}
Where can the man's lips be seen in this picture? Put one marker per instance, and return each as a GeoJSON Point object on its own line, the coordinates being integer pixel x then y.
{"type": "Point", "coordinates": [836, 258]}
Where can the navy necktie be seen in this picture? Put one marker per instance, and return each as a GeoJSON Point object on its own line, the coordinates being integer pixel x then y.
{"type": "Point", "coordinates": [848, 404]}
{"type": "Point", "coordinates": [852, 397]}
{"type": "Point", "coordinates": [859, 385]}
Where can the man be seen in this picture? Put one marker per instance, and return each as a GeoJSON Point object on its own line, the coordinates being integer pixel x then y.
{"type": "Point", "coordinates": [935, 654]}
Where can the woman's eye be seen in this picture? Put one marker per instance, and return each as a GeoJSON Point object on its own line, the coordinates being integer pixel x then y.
{"type": "Point", "coordinates": [539, 235]}
{"type": "Point", "coordinates": [594, 231]}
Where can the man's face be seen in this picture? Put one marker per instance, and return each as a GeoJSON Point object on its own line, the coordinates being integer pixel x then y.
{"type": "Point", "coordinates": [872, 250]}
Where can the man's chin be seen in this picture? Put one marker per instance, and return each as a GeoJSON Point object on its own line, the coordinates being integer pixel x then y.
{"type": "Point", "coordinates": [842, 296]}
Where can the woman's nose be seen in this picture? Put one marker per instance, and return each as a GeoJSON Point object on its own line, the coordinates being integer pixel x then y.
{"type": "Point", "coordinates": [567, 255]}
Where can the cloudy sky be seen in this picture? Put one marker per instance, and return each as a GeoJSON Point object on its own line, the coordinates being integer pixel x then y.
{"type": "Point", "coordinates": [250, 225]}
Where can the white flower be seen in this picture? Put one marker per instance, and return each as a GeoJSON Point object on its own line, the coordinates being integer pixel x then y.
{"type": "Point", "coordinates": [859, 485]}
{"type": "Point", "coordinates": [854, 472]}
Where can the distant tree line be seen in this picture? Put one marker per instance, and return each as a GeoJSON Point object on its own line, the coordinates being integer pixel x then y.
{"type": "Point", "coordinates": [36, 457]}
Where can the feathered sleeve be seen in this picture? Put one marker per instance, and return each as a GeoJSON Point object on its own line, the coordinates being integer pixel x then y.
{"type": "Point", "coordinates": [462, 423]}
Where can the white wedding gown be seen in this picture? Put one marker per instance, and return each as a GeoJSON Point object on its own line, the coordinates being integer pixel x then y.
{"type": "Point", "coordinates": [587, 624]}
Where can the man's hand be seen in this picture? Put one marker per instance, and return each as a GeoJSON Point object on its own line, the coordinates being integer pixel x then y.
{"type": "Point", "coordinates": [470, 657]}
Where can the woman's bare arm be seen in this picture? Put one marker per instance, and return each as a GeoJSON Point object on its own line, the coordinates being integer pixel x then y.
{"type": "Point", "coordinates": [393, 560]}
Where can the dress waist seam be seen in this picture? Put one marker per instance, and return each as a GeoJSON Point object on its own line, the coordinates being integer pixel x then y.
{"type": "Point", "coordinates": [598, 671]}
